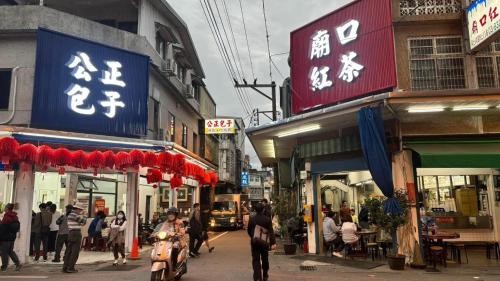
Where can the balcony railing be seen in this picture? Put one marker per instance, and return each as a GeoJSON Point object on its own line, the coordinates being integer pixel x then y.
{"type": "Point", "coordinates": [429, 7]}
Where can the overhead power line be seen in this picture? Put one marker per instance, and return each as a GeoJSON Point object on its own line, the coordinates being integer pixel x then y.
{"type": "Point", "coordinates": [246, 36]}
{"type": "Point", "coordinates": [212, 25]}
{"type": "Point", "coordinates": [267, 39]}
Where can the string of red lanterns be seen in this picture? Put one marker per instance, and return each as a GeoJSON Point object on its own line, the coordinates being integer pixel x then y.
{"type": "Point", "coordinates": [11, 152]}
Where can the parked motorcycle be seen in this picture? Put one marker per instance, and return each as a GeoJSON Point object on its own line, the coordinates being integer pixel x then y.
{"type": "Point", "coordinates": [162, 266]}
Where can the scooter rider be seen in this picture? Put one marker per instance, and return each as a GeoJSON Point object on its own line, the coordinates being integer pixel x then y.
{"type": "Point", "coordinates": [173, 225]}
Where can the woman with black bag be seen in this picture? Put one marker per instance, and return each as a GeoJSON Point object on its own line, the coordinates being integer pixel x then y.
{"type": "Point", "coordinates": [260, 230]}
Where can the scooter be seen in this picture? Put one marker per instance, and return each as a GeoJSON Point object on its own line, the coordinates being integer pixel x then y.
{"type": "Point", "coordinates": [161, 258]}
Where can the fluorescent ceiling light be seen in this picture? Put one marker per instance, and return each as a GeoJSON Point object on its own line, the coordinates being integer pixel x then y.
{"type": "Point", "coordinates": [89, 139]}
{"type": "Point", "coordinates": [425, 109]}
{"type": "Point", "coordinates": [299, 130]}
{"type": "Point", "coordinates": [470, 107]}
{"type": "Point", "coordinates": [268, 148]}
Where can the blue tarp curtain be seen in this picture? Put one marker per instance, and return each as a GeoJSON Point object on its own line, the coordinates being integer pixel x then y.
{"type": "Point", "coordinates": [374, 145]}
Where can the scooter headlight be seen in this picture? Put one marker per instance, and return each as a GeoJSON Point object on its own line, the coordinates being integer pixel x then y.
{"type": "Point", "coordinates": [232, 220]}
{"type": "Point", "coordinates": [162, 235]}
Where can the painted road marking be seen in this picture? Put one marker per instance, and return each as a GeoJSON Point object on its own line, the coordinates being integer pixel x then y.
{"type": "Point", "coordinates": [23, 277]}
{"type": "Point", "coordinates": [218, 236]}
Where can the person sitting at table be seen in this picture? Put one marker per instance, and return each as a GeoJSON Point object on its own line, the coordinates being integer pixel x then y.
{"type": "Point", "coordinates": [331, 234]}
{"type": "Point", "coordinates": [349, 230]}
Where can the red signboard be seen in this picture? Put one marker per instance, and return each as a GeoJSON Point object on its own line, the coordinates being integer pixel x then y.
{"type": "Point", "coordinates": [344, 55]}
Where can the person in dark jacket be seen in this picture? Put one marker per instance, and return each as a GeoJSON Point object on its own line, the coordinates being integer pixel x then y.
{"type": "Point", "coordinates": [9, 228]}
{"type": "Point", "coordinates": [260, 253]}
{"type": "Point", "coordinates": [267, 208]}
{"type": "Point", "coordinates": [43, 220]}
{"type": "Point", "coordinates": [195, 231]}
{"type": "Point", "coordinates": [62, 234]}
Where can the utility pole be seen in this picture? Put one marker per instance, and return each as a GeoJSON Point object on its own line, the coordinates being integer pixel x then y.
{"type": "Point", "coordinates": [256, 87]}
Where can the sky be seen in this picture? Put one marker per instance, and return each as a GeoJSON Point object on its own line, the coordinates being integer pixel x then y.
{"type": "Point", "coordinates": [283, 16]}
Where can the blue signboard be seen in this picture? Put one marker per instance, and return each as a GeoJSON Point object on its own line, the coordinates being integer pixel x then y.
{"type": "Point", "coordinates": [87, 87]}
{"type": "Point", "coordinates": [244, 179]}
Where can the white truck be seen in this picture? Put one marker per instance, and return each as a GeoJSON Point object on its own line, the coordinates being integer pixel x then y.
{"type": "Point", "coordinates": [226, 212]}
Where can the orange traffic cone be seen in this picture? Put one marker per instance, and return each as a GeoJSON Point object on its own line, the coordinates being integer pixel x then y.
{"type": "Point", "coordinates": [134, 254]}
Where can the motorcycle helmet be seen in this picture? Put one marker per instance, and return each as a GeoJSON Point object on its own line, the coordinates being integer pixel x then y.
{"type": "Point", "coordinates": [172, 211]}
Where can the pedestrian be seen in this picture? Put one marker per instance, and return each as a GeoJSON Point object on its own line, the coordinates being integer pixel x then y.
{"type": "Point", "coordinates": [9, 228]}
{"type": "Point", "coordinates": [117, 237]}
{"type": "Point", "coordinates": [332, 234]}
{"type": "Point", "coordinates": [246, 215]}
{"type": "Point", "coordinates": [260, 230]}
{"type": "Point", "coordinates": [34, 227]}
{"type": "Point", "coordinates": [43, 220]}
{"type": "Point", "coordinates": [54, 228]}
{"type": "Point", "coordinates": [205, 219]}
{"type": "Point", "coordinates": [62, 234]}
{"type": "Point", "coordinates": [195, 231]}
{"type": "Point", "coordinates": [267, 208]}
{"type": "Point", "coordinates": [76, 220]}
{"type": "Point", "coordinates": [96, 227]}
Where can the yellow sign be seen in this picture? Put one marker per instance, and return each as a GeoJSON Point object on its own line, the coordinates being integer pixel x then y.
{"type": "Point", "coordinates": [219, 126]}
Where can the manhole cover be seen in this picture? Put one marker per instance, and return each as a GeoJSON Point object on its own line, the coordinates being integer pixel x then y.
{"type": "Point", "coordinates": [308, 268]}
{"type": "Point", "coordinates": [119, 268]}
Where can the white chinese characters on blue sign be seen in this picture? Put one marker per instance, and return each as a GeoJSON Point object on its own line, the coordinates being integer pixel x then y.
{"type": "Point", "coordinates": [82, 70]}
{"type": "Point", "coordinates": [320, 47]}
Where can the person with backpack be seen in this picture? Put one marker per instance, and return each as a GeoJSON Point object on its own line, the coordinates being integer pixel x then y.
{"type": "Point", "coordinates": [43, 219]}
{"type": "Point", "coordinates": [9, 227]}
{"type": "Point", "coordinates": [260, 230]}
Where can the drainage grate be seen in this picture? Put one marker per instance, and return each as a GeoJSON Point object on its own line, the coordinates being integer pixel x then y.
{"type": "Point", "coordinates": [279, 253]}
{"type": "Point", "coordinates": [308, 268]}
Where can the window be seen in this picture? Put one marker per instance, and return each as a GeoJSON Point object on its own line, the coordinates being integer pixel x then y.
{"type": "Point", "coordinates": [171, 129]}
{"type": "Point", "coordinates": [154, 115]}
{"type": "Point", "coordinates": [161, 46]}
{"type": "Point", "coordinates": [184, 136]}
{"type": "Point", "coordinates": [196, 92]}
{"type": "Point", "coordinates": [180, 72]}
{"type": "Point", "coordinates": [429, 7]}
{"type": "Point", "coordinates": [5, 78]}
{"type": "Point", "coordinates": [437, 63]}
{"type": "Point", "coordinates": [488, 66]}
{"type": "Point", "coordinates": [97, 195]}
{"type": "Point", "coordinates": [195, 143]}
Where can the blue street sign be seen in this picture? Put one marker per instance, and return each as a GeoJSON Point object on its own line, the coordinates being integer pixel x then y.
{"type": "Point", "coordinates": [244, 179]}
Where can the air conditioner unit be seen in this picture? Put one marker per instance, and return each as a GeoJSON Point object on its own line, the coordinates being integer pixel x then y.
{"type": "Point", "coordinates": [188, 91]}
{"type": "Point", "coordinates": [167, 68]}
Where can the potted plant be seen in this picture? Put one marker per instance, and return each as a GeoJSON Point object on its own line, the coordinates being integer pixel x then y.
{"type": "Point", "coordinates": [390, 223]}
{"type": "Point", "coordinates": [285, 212]}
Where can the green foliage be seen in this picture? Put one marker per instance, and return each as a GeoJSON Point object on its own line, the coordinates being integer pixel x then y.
{"type": "Point", "coordinates": [285, 209]}
{"type": "Point", "coordinates": [387, 221]}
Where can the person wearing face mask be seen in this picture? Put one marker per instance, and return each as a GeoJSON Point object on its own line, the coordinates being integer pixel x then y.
{"type": "Point", "coordinates": [173, 225]}
{"type": "Point", "coordinates": [117, 236]}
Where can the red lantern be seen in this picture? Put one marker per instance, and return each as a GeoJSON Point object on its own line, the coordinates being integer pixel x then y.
{"type": "Point", "coordinates": [45, 157]}
{"type": "Point", "coordinates": [62, 157]}
{"type": "Point", "coordinates": [79, 160]}
{"type": "Point", "coordinates": [27, 155]}
{"type": "Point", "coordinates": [214, 179]}
{"type": "Point", "coordinates": [96, 161]}
{"type": "Point", "coordinates": [178, 163]}
{"type": "Point", "coordinates": [165, 161]}
{"type": "Point", "coordinates": [8, 149]}
{"type": "Point", "coordinates": [206, 178]}
{"type": "Point", "coordinates": [176, 181]}
{"type": "Point", "coordinates": [150, 159]}
{"type": "Point", "coordinates": [123, 161]}
{"type": "Point", "coordinates": [109, 159]}
{"type": "Point", "coordinates": [154, 176]}
{"type": "Point", "coordinates": [136, 158]}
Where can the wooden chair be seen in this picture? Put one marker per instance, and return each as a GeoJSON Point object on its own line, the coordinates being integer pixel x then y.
{"type": "Point", "coordinates": [456, 252]}
{"type": "Point", "coordinates": [373, 250]}
{"type": "Point", "coordinates": [438, 253]}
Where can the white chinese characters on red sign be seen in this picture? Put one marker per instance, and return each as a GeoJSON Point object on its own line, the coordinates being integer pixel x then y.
{"type": "Point", "coordinates": [483, 21]}
{"type": "Point", "coordinates": [219, 126]}
{"type": "Point", "coordinates": [320, 76]}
